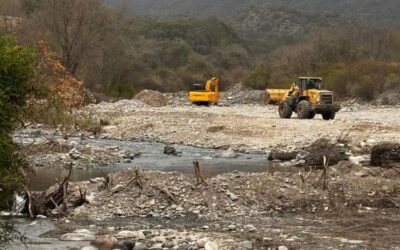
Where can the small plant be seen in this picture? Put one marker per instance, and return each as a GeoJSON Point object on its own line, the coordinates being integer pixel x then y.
{"type": "Point", "coordinates": [8, 235]}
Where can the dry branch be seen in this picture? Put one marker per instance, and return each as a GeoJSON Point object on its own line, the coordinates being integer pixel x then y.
{"type": "Point", "coordinates": [168, 193]}
{"type": "Point", "coordinates": [199, 176]}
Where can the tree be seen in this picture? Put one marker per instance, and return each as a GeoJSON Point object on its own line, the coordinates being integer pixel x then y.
{"type": "Point", "coordinates": [17, 66]}
{"type": "Point", "coordinates": [76, 28]}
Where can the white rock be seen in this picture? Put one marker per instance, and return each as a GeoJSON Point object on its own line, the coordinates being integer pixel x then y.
{"type": "Point", "coordinates": [140, 246]}
{"type": "Point", "coordinates": [210, 246]}
{"type": "Point", "coordinates": [201, 242]}
{"type": "Point", "coordinates": [230, 153]}
{"type": "Point", "coordinates": [232, 196]}
{"type": "Point", "coordinates": [246, 245]}
{"type": "Point", "coordinates": [131, 234]}
{"type": "Point", "coordinates": [89, 248]}
{"type": "Point", "coordinates": [371, 142]}
{"type": "Point", "coordinates": [251, 228]}
{"type": "Point", "coordinates": [356, 159]}
{"type": "Point", "coordinates": [78, 235]}
{"type": "Point", "coordinates": [160, 239]}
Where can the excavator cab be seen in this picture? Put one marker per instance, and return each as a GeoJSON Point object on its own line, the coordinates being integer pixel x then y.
{"type": "Point", "coordinates": [198, 87]}
{"type": "Point", "coordinates": [207, 93]}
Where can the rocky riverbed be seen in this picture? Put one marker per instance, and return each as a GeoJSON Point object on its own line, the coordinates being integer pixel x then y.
{"type": "Point", "coordinates": [245, 128]}
{"type": "Point", "coordinates": [146, 191]}
{"type": "Point", "coordinates": [346, 207]}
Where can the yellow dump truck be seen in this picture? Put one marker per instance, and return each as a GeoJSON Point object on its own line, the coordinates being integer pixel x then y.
{"type": "Point", "coordinates": [207, 93]}
{"type": "Point", "coordinates": [306, 98]}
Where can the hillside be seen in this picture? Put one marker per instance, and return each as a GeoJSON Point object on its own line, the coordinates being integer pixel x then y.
{"type": "Point", "coordinates": [372, 12]}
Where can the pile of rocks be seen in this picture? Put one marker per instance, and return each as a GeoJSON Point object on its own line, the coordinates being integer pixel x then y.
{"type": "Point", "coordinates": [239, 94]}
{"type": "Point", "coordinates": [150, 239]}
{"type": "Point", "coordinates": [389, 98]}
{"type": "Point", "coordinates": [173, 195]}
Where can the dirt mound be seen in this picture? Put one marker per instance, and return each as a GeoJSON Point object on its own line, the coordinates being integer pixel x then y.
{"type": "Point", "coordinates": [386, 155]}
{"type": "Point", "coordinates": [152, 98]}
{"type": "Point", "coordinates": [240, 94]}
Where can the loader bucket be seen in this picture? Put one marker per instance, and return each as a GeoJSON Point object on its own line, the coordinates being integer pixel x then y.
{"type": "Point", "coordinates": [274, 96]}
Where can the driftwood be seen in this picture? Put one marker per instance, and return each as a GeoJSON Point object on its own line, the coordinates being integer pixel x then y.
{"type": "Point", "coordinates": [81, 200]}
{"type": "Point", "coordinates": [304, 178]}
{"type": "Point", "coordinates": [324, 175]}
{"type": "Point", "coordinates": [168, 193]}
{"type": "Point", "coordinates": [137, 179]}
{"type": "Point", "coordinates": [199, 176]}
{"type": "Point", "coordinates": [41, 203]}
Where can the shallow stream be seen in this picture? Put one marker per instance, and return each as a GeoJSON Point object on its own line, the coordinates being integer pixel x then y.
{"type": "Point", "coordinates": [150, 156]}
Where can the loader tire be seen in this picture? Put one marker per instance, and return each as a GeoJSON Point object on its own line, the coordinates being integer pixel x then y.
{"type": "Point", "coordinates": [285, 110]}
{"type": "Point", "coordinates": [303, 110]}
{"type": "Point", "coordinates": [329, 116]}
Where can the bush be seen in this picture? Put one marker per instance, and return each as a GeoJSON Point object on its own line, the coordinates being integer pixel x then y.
{"type": "Point", "coordinates": [121, 90]}
{"type": "Point", "coordinates": [259, 78]}
{"type": "Point", "coordinates": [17, 66]}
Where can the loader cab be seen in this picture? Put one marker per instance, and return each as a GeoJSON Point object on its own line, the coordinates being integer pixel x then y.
{"type": "Point", "coordinates": [306, 83]}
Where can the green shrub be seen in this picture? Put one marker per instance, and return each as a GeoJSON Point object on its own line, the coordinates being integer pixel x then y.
{"type": "Point", "coordinates": [121, 90]}
{"type": "Point", "coordinates": [259, 77]}
{"type": "Point", "coordinates": [17, 66]}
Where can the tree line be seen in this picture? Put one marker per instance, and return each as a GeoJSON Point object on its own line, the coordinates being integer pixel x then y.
{"type": "Point", "coordinates": [118, 54]}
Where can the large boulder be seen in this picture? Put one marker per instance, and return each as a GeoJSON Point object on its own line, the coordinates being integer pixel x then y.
{"type": "Point", "coordinates": [386, 154]}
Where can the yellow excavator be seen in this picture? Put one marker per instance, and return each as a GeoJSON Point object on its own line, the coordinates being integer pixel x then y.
{"type": "Point", "coordinates": [306, 98]}
{"type": "Point", "coordinates": [205, 94]}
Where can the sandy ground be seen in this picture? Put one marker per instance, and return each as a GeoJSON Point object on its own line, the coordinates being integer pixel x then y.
{"type": "Point", "coordinates": [246, 127]}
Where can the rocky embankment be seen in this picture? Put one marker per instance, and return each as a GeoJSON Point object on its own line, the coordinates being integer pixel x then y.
{"type": "Point", "coordinates": [158, 210]}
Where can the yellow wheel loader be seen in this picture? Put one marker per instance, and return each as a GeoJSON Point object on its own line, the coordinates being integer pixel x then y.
{"type": "Point", "coordinates": [306, 98]}
{"type": "Point", "coordinates": [205, 94]}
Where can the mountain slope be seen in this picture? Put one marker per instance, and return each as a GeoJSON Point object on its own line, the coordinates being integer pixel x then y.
{"type": "Point", "coordinates": [373, 12]}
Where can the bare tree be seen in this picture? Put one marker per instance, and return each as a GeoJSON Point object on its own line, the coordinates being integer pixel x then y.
{"type": "Point", "coordinates": [76, 27]}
